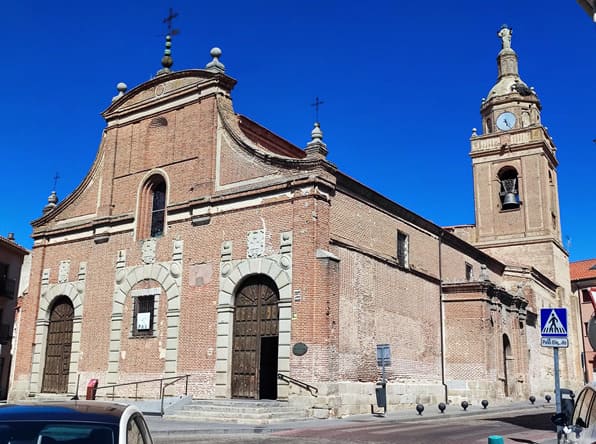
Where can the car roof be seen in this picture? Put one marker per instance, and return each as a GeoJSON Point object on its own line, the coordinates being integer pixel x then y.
{"type": "Point", "coordinates": [76, 411]}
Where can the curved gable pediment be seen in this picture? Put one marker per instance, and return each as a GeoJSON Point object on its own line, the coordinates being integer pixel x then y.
{"type": "Point", "coordinates": [165, 92]}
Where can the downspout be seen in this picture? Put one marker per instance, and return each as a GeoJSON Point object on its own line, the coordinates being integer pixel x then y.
{"type": "Point", "coordinates": [442, 316]}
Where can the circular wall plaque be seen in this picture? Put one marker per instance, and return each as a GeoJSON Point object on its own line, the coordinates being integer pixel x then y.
{"type": "Point", "coordinates": [300, 348]}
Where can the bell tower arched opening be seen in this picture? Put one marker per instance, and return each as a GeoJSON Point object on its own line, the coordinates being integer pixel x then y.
{"type": "Point", "coordinates": [509, 192]}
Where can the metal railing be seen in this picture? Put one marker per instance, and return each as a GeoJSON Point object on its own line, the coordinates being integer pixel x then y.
{"type": "Point", "coordinates": [163, 384]}
{"type": "Point", "coordinates": [310, 388]}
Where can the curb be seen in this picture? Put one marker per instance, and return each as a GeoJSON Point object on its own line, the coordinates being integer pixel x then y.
{"type": "Point", "coordinates": [180, 430]}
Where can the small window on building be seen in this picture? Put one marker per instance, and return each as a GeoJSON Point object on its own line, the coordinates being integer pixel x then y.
{"type": "Point", "coordinates": [586, 297]}
{"type": "Point", "coordinates": [509, 193]}
{"type": "Point", "coordinates": [469, 272]}
{"type": "Point", "coordinates": [402, 249]}
{"type": "Point", "coordinates": [143, 315]}
{"type": "Point", "coordinates": [152, 208]}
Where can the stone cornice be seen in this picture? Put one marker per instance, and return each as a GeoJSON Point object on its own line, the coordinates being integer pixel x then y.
{"type": "Point", "coordinates": [298, 187]}
{"type": "Point", "coordinates": [470, 291]}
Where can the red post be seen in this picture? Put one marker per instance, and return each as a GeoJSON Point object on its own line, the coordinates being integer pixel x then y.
{"type": "Point", "coordinates": [91, 388]}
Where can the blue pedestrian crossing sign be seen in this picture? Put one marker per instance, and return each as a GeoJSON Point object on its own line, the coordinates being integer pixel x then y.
{"type": "Point", "coordinates": [553, 322]}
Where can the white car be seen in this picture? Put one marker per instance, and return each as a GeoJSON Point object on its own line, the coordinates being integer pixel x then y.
{"type": "Point", "coordinates": [72, 422]}
{"type": "Point", "coordinates": [580, 428]}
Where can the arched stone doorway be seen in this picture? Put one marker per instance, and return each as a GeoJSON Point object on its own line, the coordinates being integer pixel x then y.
{"type": "Point", "coordinates": [507, 362]}
{"type": "Point", "coordinates": [255, 339]}
{"type": "Point", "coordinates": [58, 347]}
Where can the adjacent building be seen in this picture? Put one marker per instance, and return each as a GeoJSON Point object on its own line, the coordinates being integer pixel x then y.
{"type": "Point", "coordinates": [11, 261]}
{"type": "Point", "coordinates": [583, 285]}
{"type": "Point", "coordinates": [202, 243]}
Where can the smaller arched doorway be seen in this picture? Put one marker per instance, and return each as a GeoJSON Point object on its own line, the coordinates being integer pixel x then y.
{"type": "Point", "coordinates": [58, 347]}
{"type": "Point", "coordinates": [256, 339]}
{"type": "Point", "coordinates": [507, 356]}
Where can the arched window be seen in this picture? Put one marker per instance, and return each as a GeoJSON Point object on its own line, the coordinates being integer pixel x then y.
{"type": "Point", "coordinates": [152, 208]}
{"type": "Point", "coordinates": [509, 192]}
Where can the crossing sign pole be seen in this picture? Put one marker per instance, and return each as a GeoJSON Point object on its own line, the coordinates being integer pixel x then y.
{"type": "Point", "coordinates": [557, 383]}
{"type": "Point", "coordinates": [553, 331]}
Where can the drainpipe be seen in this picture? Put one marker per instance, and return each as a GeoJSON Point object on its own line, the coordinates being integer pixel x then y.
{"type": "Point", "coordinates": [442, 316]}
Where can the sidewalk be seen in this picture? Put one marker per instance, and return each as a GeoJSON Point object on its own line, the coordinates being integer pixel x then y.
{"type": "Point", "coordinates": [163, 428]}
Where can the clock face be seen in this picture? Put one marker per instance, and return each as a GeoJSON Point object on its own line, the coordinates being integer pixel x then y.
{"type": "Point", "coordinates": [506, 121]}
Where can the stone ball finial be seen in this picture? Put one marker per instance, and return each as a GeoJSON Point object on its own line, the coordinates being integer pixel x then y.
{"type": "Point", "coordinates": [215, 64]}
{"type": "Point", "coordinates": [316, 133]}
{"type": "Point", "coordinates": [52, 201]}
{"type": "Point", "coordinates": [121, 87]}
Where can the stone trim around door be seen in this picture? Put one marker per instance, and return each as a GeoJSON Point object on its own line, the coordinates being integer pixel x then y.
{"type": "Point", "coordinates": [75, 291]}
{"type": "Point", "coordinates": [277, 267]}
{"type": "Point", "coordinates": [169, 276]}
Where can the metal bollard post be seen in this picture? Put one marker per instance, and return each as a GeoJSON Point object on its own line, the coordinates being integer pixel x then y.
{"type": "Point", "coordinates": [495, 439]}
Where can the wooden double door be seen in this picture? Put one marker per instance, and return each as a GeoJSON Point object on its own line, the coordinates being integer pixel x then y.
{"type": "Point", "coordinates": [255, 342]}
{"type": "Point", "coordinates": [58, 347]}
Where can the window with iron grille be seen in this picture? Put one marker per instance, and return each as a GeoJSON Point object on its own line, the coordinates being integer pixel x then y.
{"type": "Point", "coordinates": [402, 248]}
{"type": "Point", "coordinates": [143, 315]}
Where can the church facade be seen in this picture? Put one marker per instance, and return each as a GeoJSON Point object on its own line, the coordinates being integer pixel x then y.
{"type": "Point", "coordinates": [200, 243]}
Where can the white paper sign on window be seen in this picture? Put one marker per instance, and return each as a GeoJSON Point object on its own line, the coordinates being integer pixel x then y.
{"type": "Point", "coordinates": [143, 320]}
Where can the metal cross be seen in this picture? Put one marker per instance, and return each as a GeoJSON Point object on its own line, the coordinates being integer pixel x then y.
{"type": "Point", "coordinates": [172, 15]}
{"type": "Point", "coordinates": [316, 105]}
{"type": "Point", "coordinates": [56, 177]}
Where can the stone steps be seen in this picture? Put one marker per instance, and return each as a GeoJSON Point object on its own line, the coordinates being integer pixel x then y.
{"type": "Point", "coordinates": [254, 412]}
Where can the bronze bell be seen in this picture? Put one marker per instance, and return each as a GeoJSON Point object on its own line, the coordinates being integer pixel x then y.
{"type": "Point", "coordinates": [510, 201]}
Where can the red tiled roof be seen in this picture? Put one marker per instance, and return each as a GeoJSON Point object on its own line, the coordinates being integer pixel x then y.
{"type": "Point", "coordinates": [582, 269]}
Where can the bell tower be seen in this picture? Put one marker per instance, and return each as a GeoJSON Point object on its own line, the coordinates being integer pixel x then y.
{"type": "Point", "coordinates": [515, 178]}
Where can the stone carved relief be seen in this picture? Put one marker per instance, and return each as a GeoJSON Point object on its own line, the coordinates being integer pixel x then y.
{"type": "Point", "coordinates": [177, 249]}
{"type": "Point", "coordinates": [255, 243]}
{"type": "Point", "coordinates": [148, 251]}
{"type": "Point", "coordinates": [63, 271]}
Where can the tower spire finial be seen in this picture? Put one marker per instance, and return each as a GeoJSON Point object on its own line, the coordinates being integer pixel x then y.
{"type": "Point", "coordinates": [56, 177]}
{"type": "Point", "coordinates": [166, 60]}
{"type": "Point", "coordinates": [317, 104]}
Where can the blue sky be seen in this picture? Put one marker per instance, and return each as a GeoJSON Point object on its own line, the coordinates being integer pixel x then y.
{"type": "Point", "coordinates": [401, 82]}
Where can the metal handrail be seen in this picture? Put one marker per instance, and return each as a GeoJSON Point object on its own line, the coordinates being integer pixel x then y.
{"type": "Point", "coordinates": [136, 384]}
{"type": "Point", "coordinates": [311, 388]}
{"type": "Point", "coordinates": [163, 391]}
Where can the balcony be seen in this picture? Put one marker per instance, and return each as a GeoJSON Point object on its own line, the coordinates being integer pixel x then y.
{"type": "Point", "coordinates": [7, 288]}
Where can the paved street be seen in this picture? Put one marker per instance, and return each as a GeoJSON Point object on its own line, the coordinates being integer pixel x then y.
{"type": "Point", "coordinates": [517, 424]}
